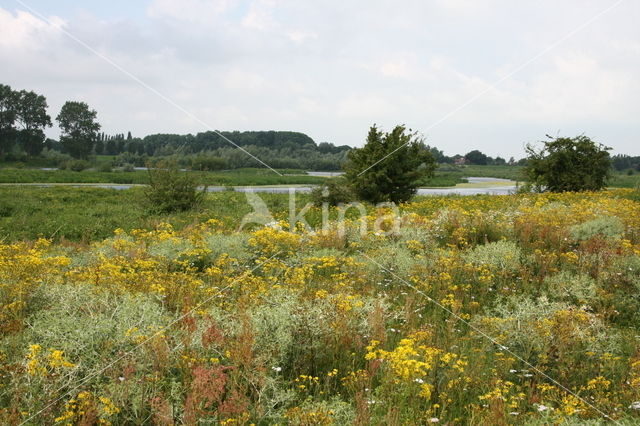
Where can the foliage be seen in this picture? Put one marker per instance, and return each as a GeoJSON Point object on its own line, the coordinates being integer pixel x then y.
{"type": "Point", "coordinates": [23, 118]}
{"type": "Point", "coordinates": [75, 165]}
{"type": "Point", "coordinates": [606, 227]}
{"type": "Point", "coordinates": [31, 115]}
{"type": "Point", "coordinates": [334, 191]}
{"type": "Point", "coordinates": [208, 163]}
{"type": "Point", "coordinates": [170, 190]}
{"type": "Point", "coordinates": [389, 166]}
{"type": "Point", "coordinates": [7, 118]}
{"type": "Point", "coordinates": [79, 128]}
{"type": "Point", "coordinates": [238, 177]}
{"type": "Point", "coordinates": [477, 158]}
{"type": "Point", "coordinates": [569, 164]}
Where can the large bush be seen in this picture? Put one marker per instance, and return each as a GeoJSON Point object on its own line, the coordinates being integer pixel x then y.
{"type": "Point", "coordinates": [334, 192]}
{"type": "Point", "coordinates": [568, 164]}
{"type": "Point", "coordinates": [171, 190]}
{"type": "Point", "coordinates": [389, 167]}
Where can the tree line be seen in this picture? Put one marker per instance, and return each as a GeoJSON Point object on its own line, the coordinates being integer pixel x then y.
{"type": "Point", "coordinates": [24, 119]}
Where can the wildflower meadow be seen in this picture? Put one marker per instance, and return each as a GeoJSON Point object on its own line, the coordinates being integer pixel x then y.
{"type": "Point", "coordinates": [515, 309]}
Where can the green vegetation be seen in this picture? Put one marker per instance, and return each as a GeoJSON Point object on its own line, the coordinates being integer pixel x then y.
{"type": "Point", "coordinates": [568, 164]}
{"type": "Point", "coordinates": [170, 191]}
{"type": "Point", "coordinates": [241, 177]}
{"type": "Point", "coordinates": [333, 192]}
{"type": "Point", "coordinates": [79, 128]}
{"type": "Point", "coordinates": [91, 214]}
{"type": "Point", "coordinates": [23, 118]}
{"type": "Point", "coordinates": [516, 309]}
{"type": "Point", "coordinates": [389, 167]}
{"type": "Point", "coordinates": [450, 175]}
{"type": "Point", "coordinates": [624, 180]}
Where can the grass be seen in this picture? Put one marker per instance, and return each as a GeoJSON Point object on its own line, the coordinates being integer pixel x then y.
{"type": "Point", "coordinates": [91, 214]}
{"type": "Point", "coordinates": [623, 180]}
{"type": "Point", "coordinates": [237, 177]}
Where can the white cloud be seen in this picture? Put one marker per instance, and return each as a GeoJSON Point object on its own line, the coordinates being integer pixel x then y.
{"type": "Point", "coordinates": [23, 31]}
{"type": "Point", "coordinates": [332, 69]}
{"type": "Point", "coordinates": [196, 11]}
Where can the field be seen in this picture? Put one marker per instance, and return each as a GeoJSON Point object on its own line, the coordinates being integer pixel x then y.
{"type": "Point", "coordinates": [520, 309]}
{"type": "Point", "coordinates": [233, 177]}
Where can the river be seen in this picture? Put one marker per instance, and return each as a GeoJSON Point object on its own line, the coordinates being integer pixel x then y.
{"type": "Point", "coordinates": [475, 186]}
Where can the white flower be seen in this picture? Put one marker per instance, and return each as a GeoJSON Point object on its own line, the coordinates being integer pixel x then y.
{"type": "Point", "coordinates": [514, 413]}
{"type": "Point", "coordinates": [419, 381]}
{"type": "Point", "coordinates": [635, 405]}
{"type": "Point", "coordinates": [434, 420]}
{"type": "Point", "coordinates": [513, 371]}
{"type": "Point", "coordinates": [542, 407]}
{"type": "Point", "coordinates": [277, 369]}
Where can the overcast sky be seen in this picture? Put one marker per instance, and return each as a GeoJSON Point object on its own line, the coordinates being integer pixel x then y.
{"type": "Point", "coordinates": [332, 68]}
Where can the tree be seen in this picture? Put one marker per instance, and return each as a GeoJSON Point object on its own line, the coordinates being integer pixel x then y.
{"type": "Point", "coordinates": [568, 164]}
{"type": "Point", "coordinates": [476, 157]}
{"type": "Point", "coordinates": [79, 128]}
{"type": "Point", "coordinates": [389, 167]}
{"type": "Point", "coordinates": [98, 148]}
{"type": "Point", "coordinates": [31, 115]}
{"type": "Point", "coordinates": [7, 118]}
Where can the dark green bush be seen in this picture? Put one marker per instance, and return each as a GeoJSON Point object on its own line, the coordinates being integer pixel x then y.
{"type": "Point", "coordinates": [390, 166]}
{"type": "Point", "coordinates": [171, 190]}
{"type": "Point", "coordinates": [568, 164]}
{"type": "Point", "coordinates": [105, 167]}
{"type": "Point", "coordinates": [334, 192]}
{"type": "Point", "coordinates": [208, 163]}
{"type": "Point", "coordinates": [76, 165]}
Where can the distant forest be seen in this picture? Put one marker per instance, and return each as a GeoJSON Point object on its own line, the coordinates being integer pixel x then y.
{"type": "Point", "coordinates": [209, 151]}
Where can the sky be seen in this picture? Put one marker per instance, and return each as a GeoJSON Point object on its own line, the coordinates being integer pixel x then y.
{"type": "Point", "coordinates": [491, 75]}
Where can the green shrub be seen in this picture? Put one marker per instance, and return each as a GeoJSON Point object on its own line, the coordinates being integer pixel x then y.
{"type": "Point", "coordinates": [128, 167]}
{"type": "Point", "coordinates": [88, 324]}
{"type": "Point", "coordinates": [390, 166]}
{"type": "Point", "coordinates": [500, 255]}
{"type": "Point", "coordinates": [608, 227]}
{"type": "Point", "coordinates": [55, 158]}
{"type": "Point", "coordinates": [208, 163]}
{"type": "Point", "coordinates": [170, 190]}
{"type": "Point", "coordinates": [531, 327]}
{"type": "Point", "coordinates": [76, 165]}
{"type": "Point", "coordinates": [334, 192]}
{"type": "Point", "coordinates": [568, 287]}
{"type": "Point", "coordinates": [568, 164]}
{"type": "Point", "coordinates": [105, 167]}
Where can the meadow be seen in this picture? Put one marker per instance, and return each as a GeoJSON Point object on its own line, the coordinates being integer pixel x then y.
{"type": "Point", "coordinates": [238, 177]}
{"type": "Point", "coordinates": [519, 309]}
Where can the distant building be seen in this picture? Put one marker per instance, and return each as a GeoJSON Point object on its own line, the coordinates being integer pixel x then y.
{"type": "Point", "coordinates": [460, 161]}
